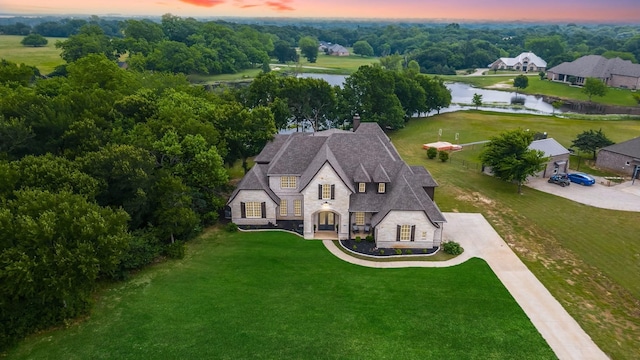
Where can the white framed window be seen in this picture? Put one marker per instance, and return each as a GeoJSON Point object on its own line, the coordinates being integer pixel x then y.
{"type": "Point", "coordinates": [288, 182]}
{"type": "Point", "coordinates": [283, 207]}
{"type": "Point", "coordinates": [326, 191]}
{"type": "Point", "coordinates": [297, 207]}
{"type": "Point", "coordinates": [359, 218]}
{"type": "Point", "coordinates": [362, 187]}
{"type": "Point", "coordinates": [253, 209]}
{"type": "Point", "coordinates": [381, 188]}
{"type": "Point", "coordinates": [405, 232]}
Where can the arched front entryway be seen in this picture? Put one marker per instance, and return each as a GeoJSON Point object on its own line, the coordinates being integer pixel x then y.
{"type": "Point", "coordinates": [326, 221]}
{"type": "Point", "coordinates": [326, 225]}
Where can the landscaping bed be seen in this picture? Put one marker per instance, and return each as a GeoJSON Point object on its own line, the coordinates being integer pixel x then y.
{"type": "Point", "coordinates": [369, 248]}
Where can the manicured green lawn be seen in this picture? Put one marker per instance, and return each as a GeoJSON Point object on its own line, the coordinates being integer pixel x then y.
{"type": "Point", "coordinates": [325, 64]}
{"type": "Point", "coordinates": [587, 257]}
{"type": "Point", "coordinates": [45, 58]}
{"type": "Point", "coordinates": [345, 64]}
{"type": "Point", "coordinates": [275, 296]}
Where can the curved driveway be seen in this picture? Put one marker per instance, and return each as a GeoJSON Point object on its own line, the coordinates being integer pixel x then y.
{"type": "Point", "coordinates": [563, 334]}
{"type": "Point", "coordinates": [617, 197]}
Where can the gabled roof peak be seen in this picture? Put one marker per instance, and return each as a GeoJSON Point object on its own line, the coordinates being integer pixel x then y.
{"type": "Point", "coordinates": [380, 175]}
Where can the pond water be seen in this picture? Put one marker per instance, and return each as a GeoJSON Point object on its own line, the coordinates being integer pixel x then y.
{"type": "Point", "coordinates": [462, 95]}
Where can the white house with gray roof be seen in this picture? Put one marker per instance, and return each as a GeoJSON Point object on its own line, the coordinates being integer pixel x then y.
{"type": "Point", "coordinates": [613, 72]}
{"type": "Point", "coordinates": [526, 61]}
{"type": "Point", "coordinates": [340, 184]}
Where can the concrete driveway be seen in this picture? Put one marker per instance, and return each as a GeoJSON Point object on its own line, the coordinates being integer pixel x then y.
{"type": "Point", "coordinates": [563, 334]}
{"type": "Point", "coordinates": [623, 196]}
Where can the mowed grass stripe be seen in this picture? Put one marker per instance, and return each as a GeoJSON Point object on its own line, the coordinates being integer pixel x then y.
{"type": "Point", "coordinates": [274, 295]}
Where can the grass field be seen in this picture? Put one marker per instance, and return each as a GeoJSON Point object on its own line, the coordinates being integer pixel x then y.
{"type": "Point", "coordinates": [275, 296]}
{"type": "Point", "coordinates": [342, 65]}
{"type": "Point", "coordinates": [586, 257]}
{"type": "Point", "coordinates": [623, 97]}
{"type": "Point", "coordinates": [45, 58]}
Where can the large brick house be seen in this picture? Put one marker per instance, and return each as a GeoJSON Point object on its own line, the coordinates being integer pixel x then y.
{"type": "Point", "coordinates": [526, 62]}
{"type": "Point", "coordinates": [339, 184]}
{"type": "Point", "coordinates": [622, 158]}
{"type": "Point", "coordinates": [613, 72]}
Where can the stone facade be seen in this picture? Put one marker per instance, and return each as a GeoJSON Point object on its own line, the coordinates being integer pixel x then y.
{"type": "Point", "coordinates": [339, 206]}
{"type": "Point", "coordinates": [426, 234]}
{"type": "Point", "coordinates": [618, 163]}
{"type": "Point", "coordinates": [556, 164]}
{"type": "Point", "coordinates": [251, 196]}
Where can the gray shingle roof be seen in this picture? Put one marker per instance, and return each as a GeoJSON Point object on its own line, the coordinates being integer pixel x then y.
{"type": "Point", "coordinates": [406, 193]}
{"type": "Point", "coordinates": [629, 148]}
{"type": "Point", "coordinates": [271, 149]}
{"type": "Point", "coordinates": [549, 146]}
{"type": "Point", "coordinates": [597, 66]}
{"type": "Point", "coordinates": [295, 154]}
{"type": "Point", "coordinates": [255, 179]}
{"type": "Point", "coordinates": [361, 175]}
{"type": "Point", "coordinates": [366, 155]}
{"type": "Point", "coordinates": [380, 175]}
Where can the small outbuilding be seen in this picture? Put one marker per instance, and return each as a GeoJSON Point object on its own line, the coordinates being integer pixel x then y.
{"type": "Point", "coordinates": [558, 156]}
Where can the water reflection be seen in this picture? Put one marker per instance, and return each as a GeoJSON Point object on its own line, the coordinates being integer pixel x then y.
{"type": "Point", "coordinates": [462, 96]}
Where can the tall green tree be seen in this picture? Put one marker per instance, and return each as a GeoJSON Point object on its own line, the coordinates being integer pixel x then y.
{"type": "Point", "coordinates": [90, 40]}
{"type": "Point", "coordinates": [510, 158]}
{"type": "Point", "coordinates": [309, 48]}
{"type": "Point", "coordinates": [53, 248]}
{"type": "Point", "coordinates": [125, 176]}
{"type": "Point", "coordinates": [370, 93]}
{"type": "Point", "coordinates": [477, 100]}
{"type": "Point", "coordinates": [591, 141]}
{"type": "Point", "coordinates": [13, 74]}
{"type": "Point", "coordinates": [594, 87]}
{"type": "Point", "coordinates": [309, 100]}
{"type": "Point", "coordinates": [546, 47]}
{"type": "Point", "coordinates": [284, 52]}
{"type": "Point", "coordinates": [35, 40]}
{"type": "Point", "coordinates": [362, 48]}
{"type": "Point", "coordinates": [520, 82]}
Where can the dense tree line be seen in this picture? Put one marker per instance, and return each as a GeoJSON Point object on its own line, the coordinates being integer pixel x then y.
{"type": "Point", "coordinates": [101, 172]}
{"type": "Point", "coordinates": [213, 47]}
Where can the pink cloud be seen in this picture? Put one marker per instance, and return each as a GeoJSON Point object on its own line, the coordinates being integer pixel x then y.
{"type": "Point", "coordinates": [204, 3]}
{"type": "Point", "coordinates": [282, 5]}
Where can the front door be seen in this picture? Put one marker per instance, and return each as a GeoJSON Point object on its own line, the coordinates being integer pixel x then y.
{"type": "Point", "coordinates": [326, 221]}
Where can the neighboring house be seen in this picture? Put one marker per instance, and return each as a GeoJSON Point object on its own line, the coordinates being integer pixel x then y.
{"type": "Point", "coordinates": [527, 61]}
{"type": "Point", "coordinates": [333, 49]}
{"type": "Point", "coordinates": [613, 72]}
{"type": "Point", "coordinates": [340, 184]}
{"type": "Point", "coordinates": [623, 158]}
{"type": "Point", "coordinates": [558, 156]}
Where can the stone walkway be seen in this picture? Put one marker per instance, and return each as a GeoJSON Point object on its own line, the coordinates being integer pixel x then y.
{"type": "Point", "coordinates": [563, 334]}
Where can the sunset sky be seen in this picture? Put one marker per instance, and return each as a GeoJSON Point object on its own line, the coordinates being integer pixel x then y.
{"type": "Point", "coordinates": [537, 10]}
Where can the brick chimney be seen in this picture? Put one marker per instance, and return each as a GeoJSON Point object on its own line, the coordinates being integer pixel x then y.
{"type": "Point", "coordinates": [356, 122]}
